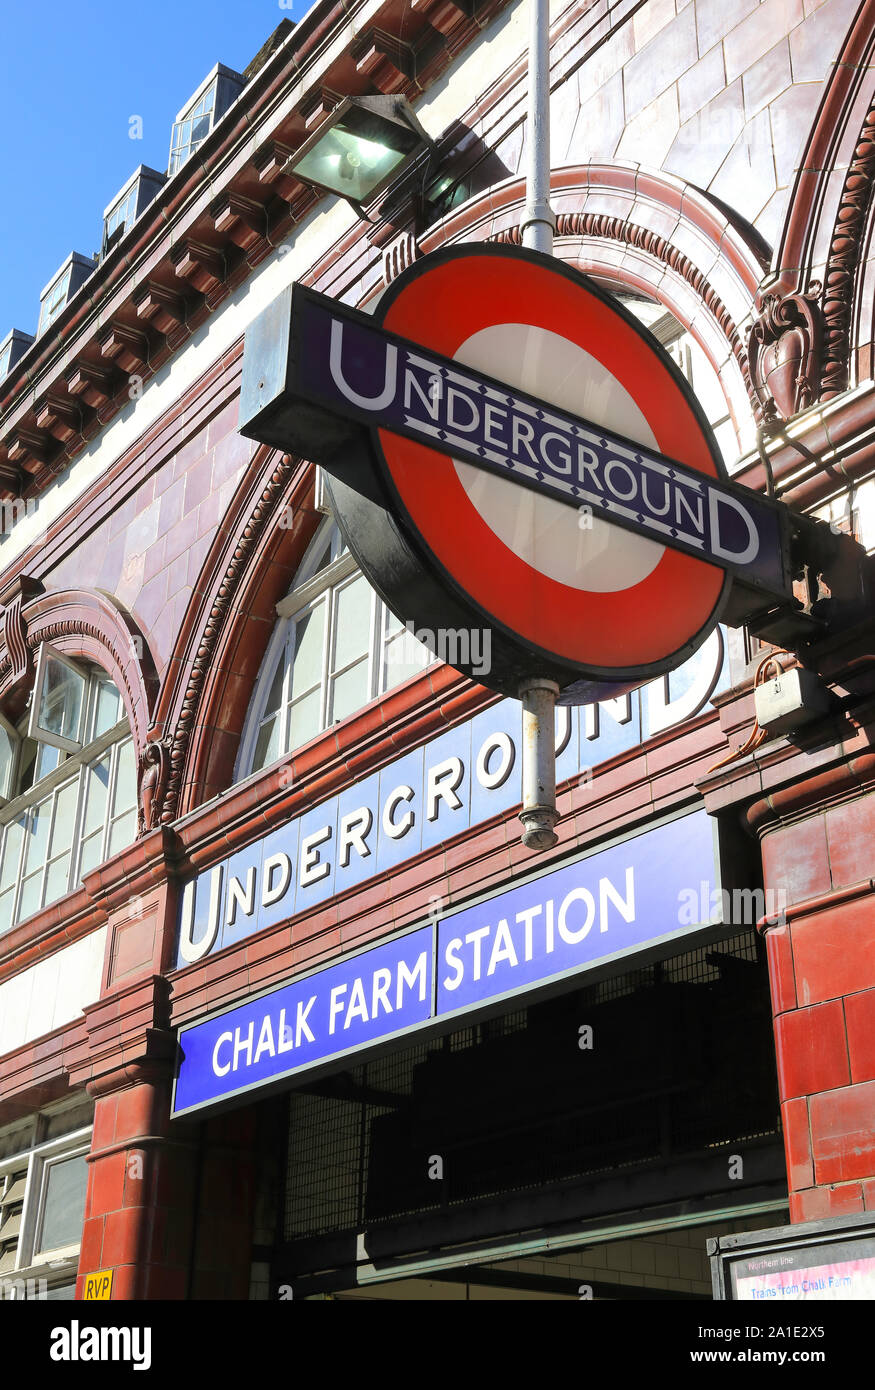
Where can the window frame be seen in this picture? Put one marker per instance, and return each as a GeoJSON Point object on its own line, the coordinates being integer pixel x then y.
{"type": "Point", "coordinates": [35, 732]}
{"type": "Point", "coordinates": [58, 1265]}
{"type": "Point", "coordinates": [14, 736]}
{"type": "Point", "coordinates": [50, 310]}
{"type": "Point", "coordinates": [311, 586]}
{"type": "Point", "coordinates": [72, 770]}
{"type": "Point", "coordinates": [187, 117]}
{"type": "Point", "coordinates": [27, 874]}
{"type": "Point", "coordinates": [127, 204]}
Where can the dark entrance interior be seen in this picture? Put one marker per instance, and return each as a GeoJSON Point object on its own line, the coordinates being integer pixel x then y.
{"type": "Point", "coordinates": [515, 1128]}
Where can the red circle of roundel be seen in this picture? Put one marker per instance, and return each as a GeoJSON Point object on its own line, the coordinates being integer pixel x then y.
{"type": "Point", "coordinates": [440, 307]}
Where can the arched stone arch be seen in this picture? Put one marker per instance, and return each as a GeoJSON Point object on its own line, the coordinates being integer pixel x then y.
{"type": "Point", "coordinates": [647, 231]}
{"type": "Point", "coordinates": [85, 623]}
{"type": "Point", "coordinates": [201, 710]}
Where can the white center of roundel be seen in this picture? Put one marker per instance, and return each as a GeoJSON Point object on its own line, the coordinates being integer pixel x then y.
{"type": "Point", "coordinates": [560, 541]}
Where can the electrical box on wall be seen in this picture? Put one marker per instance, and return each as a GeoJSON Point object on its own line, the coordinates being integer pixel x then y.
{"type": "Point", "coordinates": [789, 700]}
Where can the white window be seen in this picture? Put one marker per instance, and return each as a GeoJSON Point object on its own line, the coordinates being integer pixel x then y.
{"type": "Point", "coordinates": [199, 115]}
{"type": "Point", "coordinates": [43, 1178]}
{"type": "Point", "coordinates": [55, 300]}
{"type": "Point", "coordinates": [117, 221]}
{"type": "Point", "coordinates": [192, 130]}
{"type": "Point", "coordinates": [687, 354]}
{"type": "Point", "coordinates": [69, 774]}
{"type": "Point", "coordinates": [336, 647]}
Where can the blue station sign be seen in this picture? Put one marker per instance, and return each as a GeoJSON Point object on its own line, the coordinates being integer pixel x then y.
{"type": "Point", "coordinates": [619, 901]}
{"type": "Point", "coordinates": [419, 800]}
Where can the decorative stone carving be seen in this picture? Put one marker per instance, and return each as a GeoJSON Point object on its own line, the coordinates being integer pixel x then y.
{"type": "Point", "coordinates": [398, 255]}
{"type": "Point", "coordinates": [153, 770]}
{"type": "Point", "coordinates": [842, 267]}
{"type": "Point", "coordinates": [785, 353]}
{"type": "Point", "coordinates": [20, 591]}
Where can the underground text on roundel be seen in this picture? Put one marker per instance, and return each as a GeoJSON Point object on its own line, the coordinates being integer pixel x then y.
{"type": "Point", "coordinates": [616, 901]}
{"type": "Point", "coordinates": [357, 370]}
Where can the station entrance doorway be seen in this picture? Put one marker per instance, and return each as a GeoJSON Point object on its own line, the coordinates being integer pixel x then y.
{"type": "Point", "coordinates": [585, 1146]}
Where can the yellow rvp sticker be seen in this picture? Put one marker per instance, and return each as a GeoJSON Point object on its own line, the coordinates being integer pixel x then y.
{"type": "Point", "coordinates": [98, 1284]}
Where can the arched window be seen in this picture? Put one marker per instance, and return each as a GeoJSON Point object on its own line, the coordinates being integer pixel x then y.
{"type": "Point", "coordinates": [68, 785]}
{"type": "Point", "coordinates": [336, 647]}
{"type": "Point", "coordinates": [680, 344]}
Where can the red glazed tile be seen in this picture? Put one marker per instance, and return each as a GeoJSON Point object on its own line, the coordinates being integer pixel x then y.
{"type": "Point", "coordinates": [781, 978]}
{"type": "Point", "coordinates": [860, 1019]}
{"type": "Point", "coordinates": [812, 1050]}
{"type": "Point", "coordinates": [103, 1134]}
{"type": "Point", "coordinates": [834, 951]}
{"type": "Point", "coordinates": [795, 860]}
{"type": "Point", "coordinates": [843, 1133]}
{"type": "Point", "coordinates": [90, 1251]}
{"type": "Point", "coordinates": [797, 1144]}
{"type": "Point", "coordinates": [136, 1107]}
{"type": "Point", "coordinates": [851, 834]}
{"type": "Point", "coordinates": [125, 1236]}
{"type": "Point", "coordinates": [817, 1203]}
{"type": "Point", "coordinates": [108, 1184]}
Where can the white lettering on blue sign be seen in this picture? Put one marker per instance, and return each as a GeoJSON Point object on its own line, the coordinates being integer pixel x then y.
{"type": "Point", "coordinates": [604, 907]}
{"type": "Point", "coordinates": [457, 780]}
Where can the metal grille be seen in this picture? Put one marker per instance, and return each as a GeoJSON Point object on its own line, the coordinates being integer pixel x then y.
{"type": "Point", "coordinates": [681, 1063]}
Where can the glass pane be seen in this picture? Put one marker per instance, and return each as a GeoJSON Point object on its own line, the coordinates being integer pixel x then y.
{"type": "Point", "coordinates": [60, 700]}
{"type": "Point", "coordinates": [352, 622]}
{"type": "Point", "coordinates": [57, 878]}
{"type": "Point", "coordinates": [90, 856]}
{"type": "Point", "coordinates": [96, 787]}
{"type": "Point", "coordinates": [309, 644]}
{"type": "Point", "coordinates": [65, 1204]}
{"type": "Point", "coordinates": [305, 719]}
{"type": "Point", "coordinates": [37, 834]}
{"type": "Point", "coordinates": [47, 759]}
{"type": "Point", "coordinates": [108, 708]}
{"type": "Point", "coordinates": [65, 817]}
{"type": "Point", "coordinates": [274, 699]}
{"type": "Point", "coordinates": [126, 783]}
{"type": "Point", "coordinates": [325, 559]}
{"type": "Point", "coordinates": [31, 892]}
{"type": "Point", "coordinates": [403, 657]}
{"type": "Point", "coordinates": [7, 760]}
{"type": "Point", "coordinates": [350, 691]}
{"type": "Point", "coordinates": [123, 832]}
{"type": "Point", "coordinates": [11, 852]}
{"type": "Point", "coordinates": [7, 900]}
{"type": "Point", "coordinates": [267, 749]}
{"type": "Point", "coordinates": [26, 765]}
{"type": "Point", "coordinates": [393, 624]}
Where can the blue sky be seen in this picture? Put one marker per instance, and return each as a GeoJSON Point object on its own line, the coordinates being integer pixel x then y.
{"type": "Point", "coordinates": [71, 77]}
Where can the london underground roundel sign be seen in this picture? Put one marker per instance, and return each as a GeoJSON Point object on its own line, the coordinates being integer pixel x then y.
{"type": "Point", "coordinates": [507, 448]}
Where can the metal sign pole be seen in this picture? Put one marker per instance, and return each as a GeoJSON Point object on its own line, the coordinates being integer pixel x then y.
{"type": "Point", "coordinates": [539, 814]}
{"type": "Point", "coordinates": [538, 222]}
